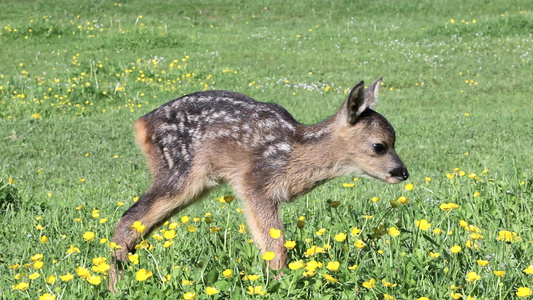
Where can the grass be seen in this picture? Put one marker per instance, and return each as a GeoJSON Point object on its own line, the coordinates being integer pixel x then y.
{"type": "Point", "coordinates": [74, 78]}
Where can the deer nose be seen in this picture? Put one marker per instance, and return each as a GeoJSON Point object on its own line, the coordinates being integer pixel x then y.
{"type": "Point", "coordinates": [400, 173]}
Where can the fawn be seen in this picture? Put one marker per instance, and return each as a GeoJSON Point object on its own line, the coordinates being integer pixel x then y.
{"type": "Point", "coordinates": [196, 141]}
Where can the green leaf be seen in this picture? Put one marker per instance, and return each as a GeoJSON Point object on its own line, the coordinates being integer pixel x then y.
{"type": "Point", "coordinates": [222, 285]}
{"type": "Point", "coordinates": [212, 276]}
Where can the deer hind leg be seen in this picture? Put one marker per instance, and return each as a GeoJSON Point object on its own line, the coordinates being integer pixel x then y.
{"type": "Point", "coordinates": [154, 207]}
{"type": "Point", "coordinates": [263, 214]}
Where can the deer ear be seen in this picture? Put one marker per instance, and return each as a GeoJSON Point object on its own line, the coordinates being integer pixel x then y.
{"type": "Point", "coordinates": [361, 99]}
{"type": "Point", "coordinates": [355, 104]}
{"type": "Point", "coordinates": [371, 93]}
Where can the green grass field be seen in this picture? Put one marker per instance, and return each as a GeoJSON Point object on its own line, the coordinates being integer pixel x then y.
{"type": "Point", "coordinates": [458, 78]}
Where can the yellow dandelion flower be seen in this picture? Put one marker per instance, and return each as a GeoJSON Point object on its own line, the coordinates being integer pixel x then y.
{"type": "Point", "coordinates": [38, 265]}
{"type": "Point", "coordinates": [21, 286]}
{"type": "Point", "coordinates": [189, 296]}
{"type": "Point", "coordinates": [143, 275]}
{"type": "Point", "coordinates": [476, 236]}
{"type": "Point", "coordinates": [321, 231]}
{"type": "Point", "coordinates": [374, 199]}
{"type": "Point", "coordinates": [472, 276]}
{"type": "Point", "coordinates": [227, 273]}
{"type": "Point", "coordinates": [355, 231]}
{"type": "Point", "coordinates": [333, 266]}
{"type": "Point", "coordinates": [185, 219]}
{"type": "Point", "coordinates": [409, 186]}
{"type": "Point", "coordinates": [369, 284]}
{"type": "Point", "coordinates": [134, 258]}
{"type": "Point", "coordinates": [34, 276]}
{"type": "Point", "coordinates": [482, 263]}
{"type": "Point", "coordinates": [275, 233]}
{"type": "Point", "coordinates": [394, 232]}
{"type": "Point", "coordinates": [388, 297]}
{"type": "Point", "coordinates": [456, 249]}
{"type": "Point", "coordinates": [44, 239]}
{"type": "Point", "coordinates": [88, 236]}
{"type": "Point", "coordinates": [499, 273]}
{"type": "Point", "coordinates": [524, 292]}
{"type": "Point", "coordinates": [37, 257]}
{"type": "Point", "coordinates": [508, 236]}
{"type": "Point", "coordinates": [476, 194]}
{"type": "Point", "coordinates": [290, 244]}
{"type": "Point", "coordinates": [330, 278]}
{"type": "Point", "coordinates": [313, 250]}
{"type": "Point", "coordinates": [257, 290]}
{"type": "Point", "coordinates": [47, 297]}
{"type": "Point", "coordinates": [211, 291]}
{"type": "Point", "coordinates": [191, 228]}
{"type": "Point", "coordinates": [186, 282]}
{"type": "Point", "coordinates": [388, 284]}
{"type": "Point", "coordinates": [167, 244]}
{"type": "Point", "coordinates": [340, 237]}
{"type": "Point", "coordinates": [313, 265]}
{"type": "Point", "coordinates": [359, 244]}
{"type": "Point", "coordinates": [354, 267]}
{"type": "Point", "coordinates": [456, 295]}
{"type": "Point", "coordinates": [422, 298]}
{"type": "Point", "coordinates": [448, 206]}
{"type": "Point", "coordinates": [138, 226]}
{"type": "Point", "coordinates": [169, 234]}
{"type": "Point", "coordinates": [295, 265]}
{"type": "Point", "coordinates": [529, 270]}
{"type": "Point", "coordinates": [253, 277]}
{"type": "Point", "coordinates": [308, 273]}
{"type": "Point", "coordinates": [51, 279]}
{"type": "Point", "coordinates": [82, 272]}
{"type": "Point", "coordinates": [269, 256]}
{"type": "Point", "coordinates": [94, 279]}
{"type": "Point", "coordinates": [67, 277]}
{"type": "Point", "coordinates": [403, 200]}
{"type": "Point", "coordinates": [114, 246]}
{"type": "Point", "coordinates": [422, 224]}
{"type": "Point", "coordinates": [434, 254]}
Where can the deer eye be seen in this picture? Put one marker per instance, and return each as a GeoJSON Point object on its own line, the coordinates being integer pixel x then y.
{"type": "Point", "coordinates": [378, 148]}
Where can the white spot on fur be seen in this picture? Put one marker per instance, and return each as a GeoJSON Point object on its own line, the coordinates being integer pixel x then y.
{"type": "Point", "coordinates": [168, 158]}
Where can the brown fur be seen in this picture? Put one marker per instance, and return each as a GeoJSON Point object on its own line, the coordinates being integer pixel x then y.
{"type": "Point", "coordinates": [199, 140]}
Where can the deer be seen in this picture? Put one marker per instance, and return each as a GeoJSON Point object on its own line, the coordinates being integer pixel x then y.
{"type": "Point", "coordinates": [202, 139]}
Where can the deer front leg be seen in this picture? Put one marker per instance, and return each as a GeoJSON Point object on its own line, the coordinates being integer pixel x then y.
{"type": "Point", "coordinates": [262, 215]}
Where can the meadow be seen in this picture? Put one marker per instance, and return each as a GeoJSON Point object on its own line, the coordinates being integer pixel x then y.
{"type": "Point", "coordinates": [457, 87]}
